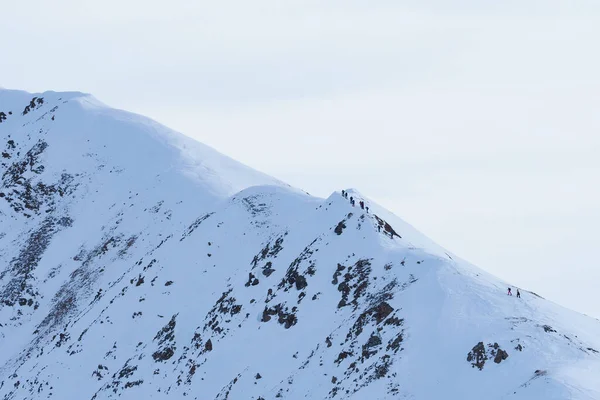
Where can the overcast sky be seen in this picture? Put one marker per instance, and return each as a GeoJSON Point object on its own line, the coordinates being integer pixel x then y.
{"type": "Point", "coordinates": [476, 121]}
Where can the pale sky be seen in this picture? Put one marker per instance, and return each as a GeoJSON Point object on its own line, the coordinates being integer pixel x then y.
{"type": "Point", "coordinates": [478, 122]}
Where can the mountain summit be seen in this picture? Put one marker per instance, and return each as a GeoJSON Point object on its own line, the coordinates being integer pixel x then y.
{"type": "Point", "coordinates": [136, 263]}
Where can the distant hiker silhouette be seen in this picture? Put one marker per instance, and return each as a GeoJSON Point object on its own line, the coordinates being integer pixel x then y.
{"type": "Point", "coordinates": [362, 205]}
{"type": "Point", "coordinates": [343, 193]}
{"type": "Point", "coordinates": [352, 201]}
{"type": "Point", "coordinates": [378, 228]}
{"type": "Point", "coordinates": [518, 294]}
{"type": "Point", "coordinates": [367, 209]}
{"type": "Point", "coordinates": [509, 292]}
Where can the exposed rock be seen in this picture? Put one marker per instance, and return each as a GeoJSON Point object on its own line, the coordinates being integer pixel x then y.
{"type": "Point", "coordinates": [500, 356]}
{"type": "Point", "coordinates": [477, 356]}
{"type": "Point", "coordinates": [340, 227]}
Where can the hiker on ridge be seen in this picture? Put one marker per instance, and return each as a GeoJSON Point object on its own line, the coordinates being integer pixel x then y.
{"type": "Point", "coordinates": [509, 292]}
{"type": "Point", "coordinates": [518, 294]}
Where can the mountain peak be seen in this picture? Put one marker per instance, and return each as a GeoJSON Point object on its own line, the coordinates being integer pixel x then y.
{"type": "Point", "coordinates": [83, 127]}
{"type": "Point", "coordinates": [138, 263]}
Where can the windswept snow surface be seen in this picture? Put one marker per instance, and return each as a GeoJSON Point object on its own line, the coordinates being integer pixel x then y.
{"type": "Point", "coordinates": [136, 263]}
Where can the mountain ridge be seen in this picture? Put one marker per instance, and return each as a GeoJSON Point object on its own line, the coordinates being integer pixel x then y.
{"type": "Point", "coordinates": [136, 263]}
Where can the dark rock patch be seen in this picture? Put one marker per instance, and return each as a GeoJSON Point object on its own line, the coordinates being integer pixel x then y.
{"type": "Point", "coordinates": [163, 354]}
{"type": "Point", "coordinates": [270, 250]}
{"type": "Point", "coordinates": [293, 276]}
{"type": "Point", "coordinates": [224, 308]}
{"type": "Point", "coordinates": [34, 104]}
{"type": "Point", "coordinates": [477, 356]}
{"type": "Point", "coordinates": [394, 344]}
{"type": "Point", "coordinates": [386, 227]}
{"type": "Point", "coordinates": [285, 317]}
{"type": "Point", "coordinates": [252, 280]}
{"type": "Point", "coordinates": [165, 339]}
{"type": "Point", "coordinates": [342, 356]}
{"type": "Point", "coordinates": [267, 270]}
{"type": "Point", "coordinates": [339, 229]}
{"type": "Point", "coordinates": [368, 348]}
{"type": "Point", "coordinates": [195, 225]}
{"type": "Point", "coordinates": [356, 281]}
{"type": "Point", "coordinates": [501, 355]}
{"type": "Point", "coordinates": [337, 274]}
{"type": "Point", "coordinates": [134, 383]}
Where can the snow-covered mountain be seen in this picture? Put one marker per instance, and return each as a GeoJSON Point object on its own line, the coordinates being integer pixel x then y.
{"type": "Point", "coordinates": [136, 263]}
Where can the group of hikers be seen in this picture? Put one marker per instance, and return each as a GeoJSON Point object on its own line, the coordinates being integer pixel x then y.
{"type": "Point", "coordinates": [362, 205]}
{"type": "Point", "coordinates": [353, 201]}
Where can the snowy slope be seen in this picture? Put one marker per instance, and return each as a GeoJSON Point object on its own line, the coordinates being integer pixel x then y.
{"type": "Point", "coordinates": [136, 263]}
